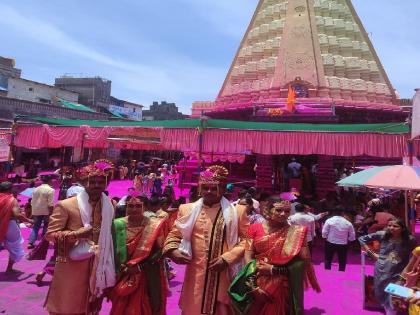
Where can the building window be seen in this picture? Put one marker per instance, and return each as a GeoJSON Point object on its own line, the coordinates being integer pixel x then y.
{"type": "Point", "coordinates": [43, 100]}
{"type": "Point", "coordinates": [30, 89]}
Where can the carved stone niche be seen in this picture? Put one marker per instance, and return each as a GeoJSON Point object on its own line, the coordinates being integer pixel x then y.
{"type": "Point", "coordinates": [301, 9]}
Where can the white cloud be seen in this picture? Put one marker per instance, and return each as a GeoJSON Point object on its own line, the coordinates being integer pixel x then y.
{"type": "Point", "coordinates": [228, 17]}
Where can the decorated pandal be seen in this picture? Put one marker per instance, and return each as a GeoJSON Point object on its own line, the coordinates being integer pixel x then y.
{"type": "Point", "coordinates": [230, 141]}
{"type": "Point", "coordinates": [385, 140]}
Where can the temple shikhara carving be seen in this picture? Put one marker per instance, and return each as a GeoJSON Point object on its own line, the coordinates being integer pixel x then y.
{"type": "Point", "coordinates": [320, 49]}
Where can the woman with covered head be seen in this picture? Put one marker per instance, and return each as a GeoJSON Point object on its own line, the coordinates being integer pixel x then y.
{"type": "Point", "coordinates": [138, 240]}
{"type": "Point", "coordinates": [278, 266]}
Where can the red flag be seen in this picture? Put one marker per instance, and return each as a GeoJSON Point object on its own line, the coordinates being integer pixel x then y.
{"type": "Point", "coordinates": [291, 98]}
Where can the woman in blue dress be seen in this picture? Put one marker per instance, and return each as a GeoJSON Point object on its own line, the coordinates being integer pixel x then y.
{"type": "Point", "coordinates": [396, 244]}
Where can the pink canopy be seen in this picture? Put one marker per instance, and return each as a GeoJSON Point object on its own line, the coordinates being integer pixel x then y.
{"type": "Point", "coordinates": [36, 137]}
{"type": "Point", "coordinates": [45, 136]}
{"type": "Point", "coordinates": [277, 143]}
{"type": "Point", "coordinates": [221, 140]}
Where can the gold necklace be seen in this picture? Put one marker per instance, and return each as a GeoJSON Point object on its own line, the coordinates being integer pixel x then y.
{"type": "Point", "coordinates": [276, 229]}
{"type": "Point", "coordinates": [136, 225]}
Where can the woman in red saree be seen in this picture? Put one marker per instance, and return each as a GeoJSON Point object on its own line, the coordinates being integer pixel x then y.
{"type": "Point", "coordinates": [141, 288]}
{"type": "Point", "coordinates": [283, 263]}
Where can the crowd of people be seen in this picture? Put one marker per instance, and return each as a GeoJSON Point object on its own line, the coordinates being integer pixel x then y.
{"type": "Point", "coordinates": [248, 252]}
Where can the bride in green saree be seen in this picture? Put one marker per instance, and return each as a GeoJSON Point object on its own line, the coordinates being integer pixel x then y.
{"type": "Point", "coordinates": [141, 288]}
{"type": "Point", "coordinates": [278, 266]}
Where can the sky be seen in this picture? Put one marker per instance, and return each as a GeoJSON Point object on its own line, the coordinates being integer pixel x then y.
{"type": "Point", "coordinates": [173, 50]}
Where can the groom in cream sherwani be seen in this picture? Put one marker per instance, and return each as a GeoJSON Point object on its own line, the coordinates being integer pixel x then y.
{"type": "Point", "coordinates": [209, 237]}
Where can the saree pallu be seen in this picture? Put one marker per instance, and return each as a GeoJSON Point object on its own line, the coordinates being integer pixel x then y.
{"type": "Point", "coordinates": [286, 249]}
{"type": "Point", "coordinates": [279, 248]}
{"type": "Point", "coordinates": [143, 293]}
{"type": "Point", "coordinates": [286, 291]}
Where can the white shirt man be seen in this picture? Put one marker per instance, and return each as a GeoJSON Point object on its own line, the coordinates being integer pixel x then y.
{"type": "Point", "coordinates": [302, 218]}
{"type": "Point", "coordinates": [338, 232]}
{"type": "Point", "coordinates": [42, 200]}
{"type": "Point", "coordinates": [42, 204]}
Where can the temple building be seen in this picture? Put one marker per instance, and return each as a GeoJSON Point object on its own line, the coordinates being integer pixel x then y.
{"type": "Point", "coordinates": [320, 49]}
{"type": "Point", "coordinates": [306, 61]}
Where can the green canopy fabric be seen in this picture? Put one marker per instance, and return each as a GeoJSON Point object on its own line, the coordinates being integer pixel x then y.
{"type": "Point", "coordinates": [386, 128]}
{"type": "Point", "coordinates": [75, 106]}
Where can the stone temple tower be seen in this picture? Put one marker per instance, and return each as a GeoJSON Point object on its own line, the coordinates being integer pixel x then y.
{"type": "Point", "coordinates": [319, 47]}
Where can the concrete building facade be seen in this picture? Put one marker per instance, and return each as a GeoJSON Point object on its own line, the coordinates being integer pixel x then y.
{"type": "Point", "coordinates": [7, 68]}
{"type": "Point", "coordinates": [32, 91]}
{"type": "Point", "coordinates": [94, 92]}
{"type": "Point", "coordinates": [10, 107]}
{"type": "Point", "coordinates": [163, 111]}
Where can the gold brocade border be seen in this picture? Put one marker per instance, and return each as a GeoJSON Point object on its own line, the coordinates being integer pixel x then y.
{"type": "Point", "coordinates": [284, 250]}
{"type": "Point", "coordinates": [211, 284]}
{"type": "Point", "coordinates": [148, 237]}
{"type": "Point", "coordinates": [293, 243]}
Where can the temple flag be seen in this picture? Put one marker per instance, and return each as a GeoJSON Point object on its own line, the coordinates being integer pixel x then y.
{"type": "Point", "coordinates": [415, 117]}
{"type": "Point", "coordinates": [291, 98]}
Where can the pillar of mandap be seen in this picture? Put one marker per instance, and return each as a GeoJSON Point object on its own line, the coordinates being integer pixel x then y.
{"type": "Point", "coordinates": [264, 172]}
{"type": "Point", "coordinates": [325, 178]}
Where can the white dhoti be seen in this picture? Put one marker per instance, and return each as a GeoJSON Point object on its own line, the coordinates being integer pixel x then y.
{"type": "Point", "coordinates": [13, 241]}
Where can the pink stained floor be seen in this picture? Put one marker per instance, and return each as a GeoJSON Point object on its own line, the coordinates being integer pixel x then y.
{"type": "Point", "coordinates": [341, 291]}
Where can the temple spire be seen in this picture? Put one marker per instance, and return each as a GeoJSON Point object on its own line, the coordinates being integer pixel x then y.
{"type": "Point", "coordinates": [319, 43]}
